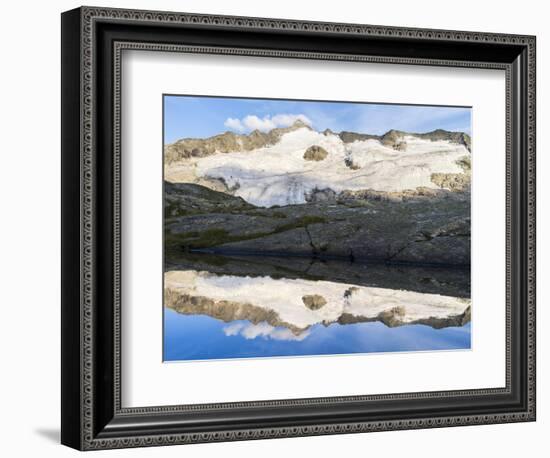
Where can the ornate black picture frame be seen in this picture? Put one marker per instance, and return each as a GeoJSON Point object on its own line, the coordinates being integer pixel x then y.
{"type": "Point", "coordinates": [92, 42]}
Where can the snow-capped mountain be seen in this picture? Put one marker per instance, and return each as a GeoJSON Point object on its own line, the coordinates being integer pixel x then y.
{"type": "Point", "coordinates": [289, 166]}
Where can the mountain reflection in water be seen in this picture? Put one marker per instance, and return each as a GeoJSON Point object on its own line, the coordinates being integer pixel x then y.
{"type": "Point", "coordinates": [229, 307]}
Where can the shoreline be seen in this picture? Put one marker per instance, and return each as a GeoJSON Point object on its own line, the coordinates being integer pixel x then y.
{"type": "Point", "coordinates": [228, 252]}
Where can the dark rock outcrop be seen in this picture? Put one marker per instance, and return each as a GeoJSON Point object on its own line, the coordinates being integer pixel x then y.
{"type": "Point", "coordinates": [420, 230]}
{"type": "Point", "coordinates": [314, 301]}
{"type": "Point", "coordinates": [350, 137]}
{"type": "Point", "coordinates": [186, 199]}
{"type": "Point", "coordinates": [315, 153]}
{"type": "Point", "coordinates": [321, 195]}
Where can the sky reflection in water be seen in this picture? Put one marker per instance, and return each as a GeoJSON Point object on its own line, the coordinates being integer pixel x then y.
{"type": "Point", "coordinates": [197, 337]}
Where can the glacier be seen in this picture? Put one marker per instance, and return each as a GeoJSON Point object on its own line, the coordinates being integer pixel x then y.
{"type": "Point", "coordinates": [278, 174]}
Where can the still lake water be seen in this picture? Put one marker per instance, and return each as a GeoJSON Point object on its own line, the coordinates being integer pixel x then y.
{"type": "Point", "coordinates": [218, 308]}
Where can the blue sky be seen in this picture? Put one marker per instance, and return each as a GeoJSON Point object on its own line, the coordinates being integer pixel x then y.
{"type": "Point", "coordinates": [190, 116]}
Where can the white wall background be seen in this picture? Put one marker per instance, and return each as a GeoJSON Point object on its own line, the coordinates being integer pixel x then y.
{"type": "Point", "coordinates": [30, 240]}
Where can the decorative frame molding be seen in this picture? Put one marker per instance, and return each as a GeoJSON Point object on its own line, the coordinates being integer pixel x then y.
{"type": "Point", "coordinates": [92, 414]}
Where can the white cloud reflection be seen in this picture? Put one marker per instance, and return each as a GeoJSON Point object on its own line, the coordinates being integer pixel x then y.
{"type": "Point", "coordinates": [252, 331]}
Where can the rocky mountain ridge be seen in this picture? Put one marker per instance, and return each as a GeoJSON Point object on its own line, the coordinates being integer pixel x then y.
{"type": "Point", "coordinates": [229, 141]}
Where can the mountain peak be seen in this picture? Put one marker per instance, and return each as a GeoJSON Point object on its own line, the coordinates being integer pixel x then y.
{"type": "Point", "coordinates": [299, 123]}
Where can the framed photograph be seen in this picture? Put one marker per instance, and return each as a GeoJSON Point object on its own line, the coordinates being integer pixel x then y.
{"type": "Point", "coordinates": [276, 228]}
